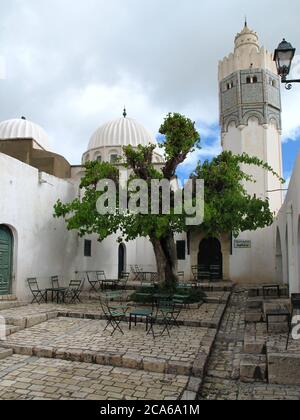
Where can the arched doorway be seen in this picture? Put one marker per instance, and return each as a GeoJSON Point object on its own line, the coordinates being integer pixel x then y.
{"type": "Point", "coordinates": [210, 258]}
{"type": "Point", "coordinates": [279, 264]}
{"type": "Point", "coordinates": [6, 258]}
{"type": "Point", "coordinates": [122, 260]}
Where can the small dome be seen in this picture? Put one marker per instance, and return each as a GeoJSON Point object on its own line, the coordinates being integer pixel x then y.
{"type": "Point", "coordinates": [119, 133]}
{"type": "Point", "coordinates": [23, 129]}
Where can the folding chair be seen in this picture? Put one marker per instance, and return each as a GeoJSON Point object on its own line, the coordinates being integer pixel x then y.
{"type": "Point", "coordinates": [101, 277]}
{"type": "Point", "coordinates": [74, 291]}
{"type": "Point", "coordinates": [215, 273]}
{"type": "Point", "coordinates": [113, 316]}
{"type": "Point", "coordinates": [93, 281]}
{"type": "Point", "coordinates": [123, 280]}
{"type": "Point", "coordinates": [55, 285]}
{"type": "Point", "coordinates": [38, 294]}
{"type": "Point", "coordinates": [167, 315]}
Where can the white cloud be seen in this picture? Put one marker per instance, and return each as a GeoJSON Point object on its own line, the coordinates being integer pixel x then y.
{"type": "Point", "coordinates": [71, 66]}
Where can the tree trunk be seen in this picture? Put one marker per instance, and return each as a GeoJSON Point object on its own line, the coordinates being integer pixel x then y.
{"type": "Point", "coordinates": [166, 260]}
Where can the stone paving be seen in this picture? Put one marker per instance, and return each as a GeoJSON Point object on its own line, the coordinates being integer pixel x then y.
{"type": "Point", "coordinates": [28, 378]}
{"type": "Point", "coordinates": [207, 315]}
{"type": "Point", "coordinates": [222, 381]}
{"type": "Point", "coordinates": [79, 338]}
{"type": "Point", "coordinates": [62, 352]}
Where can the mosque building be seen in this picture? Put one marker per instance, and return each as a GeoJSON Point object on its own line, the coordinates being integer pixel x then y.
{"type": "Point", "coordinates": [33, 178]}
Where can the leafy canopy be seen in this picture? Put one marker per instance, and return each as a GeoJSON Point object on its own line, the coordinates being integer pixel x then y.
{"type": "Point", "coordinates": [228, 207]}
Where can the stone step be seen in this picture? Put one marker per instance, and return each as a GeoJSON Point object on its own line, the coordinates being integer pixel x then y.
{"type": "Point", "coordinates": [4, 353]}
{"type": "Point", "coordinates": [10, 304]}
{"type": "Point", "coordinates": [253, 368]}
{"type": "Point", "coordinates": [8, 298]}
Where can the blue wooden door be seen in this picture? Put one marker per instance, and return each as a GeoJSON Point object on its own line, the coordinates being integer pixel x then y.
{"type": "Point", "coordinates": [6, 242]}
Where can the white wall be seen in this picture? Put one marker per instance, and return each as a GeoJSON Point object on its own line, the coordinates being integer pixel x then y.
{"type": "Point", "coordinates": [287, 224]}
{"type": "Point", "coordinates": [42, 245]}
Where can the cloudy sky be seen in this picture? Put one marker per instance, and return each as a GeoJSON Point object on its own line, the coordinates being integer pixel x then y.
{"type": "Point", "coordinates": [71, 65]}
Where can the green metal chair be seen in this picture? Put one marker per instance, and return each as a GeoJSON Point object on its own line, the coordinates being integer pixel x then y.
{"type": "Point", "coordinates": [113, 316]}
{"type": "Point", "coordinates": [39, 296]}
{"type": "Point", "coordinates": [167, 315]}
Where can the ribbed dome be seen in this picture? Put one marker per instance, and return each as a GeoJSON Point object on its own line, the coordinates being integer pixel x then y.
{"type": "Point", "coordinates": [23, 129]}
{"type": "Point", "coordinates": [120, 132]}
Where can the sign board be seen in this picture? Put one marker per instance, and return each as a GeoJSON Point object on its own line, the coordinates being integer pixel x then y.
{"type": "Point", "coordinates": [242, 244]}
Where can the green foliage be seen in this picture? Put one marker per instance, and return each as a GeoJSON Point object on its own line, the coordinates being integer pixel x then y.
{"type": "Point", "coordinates": [228, 207]}
{"type": "Point", "coordinates": [181, 138]}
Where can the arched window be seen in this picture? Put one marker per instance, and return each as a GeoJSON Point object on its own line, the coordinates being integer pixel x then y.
{"type": "Point", "coordinates": [99, 158]}
{"type": "Point", "coordinates": [251, 80]}
{"type": "Point", "coordinates": [87, 158]}
{"type": "Point", "coordinates": [114, 158]}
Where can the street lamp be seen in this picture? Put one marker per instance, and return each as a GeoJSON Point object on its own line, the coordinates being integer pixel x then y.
{"type": "Point", "coordinates": [283, 57]}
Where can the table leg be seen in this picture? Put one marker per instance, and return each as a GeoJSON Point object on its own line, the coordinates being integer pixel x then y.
{"type": "Point", "coordinates": [130, 322]}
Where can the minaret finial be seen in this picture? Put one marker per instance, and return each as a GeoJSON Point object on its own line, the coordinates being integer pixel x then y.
{"type": "Point", "coordinates": [246, 21]}
{"type": "Point", "coordinates": [124, 112]}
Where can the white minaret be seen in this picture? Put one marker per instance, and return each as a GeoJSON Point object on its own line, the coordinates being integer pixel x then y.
{"type": "Point", "coordinates": [250, 117]}
{"type": "Point", "coordinates": [250, 112]}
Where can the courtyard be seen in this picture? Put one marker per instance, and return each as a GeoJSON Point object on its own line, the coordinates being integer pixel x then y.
{"type": "Point", "coordinates": [221, 350]}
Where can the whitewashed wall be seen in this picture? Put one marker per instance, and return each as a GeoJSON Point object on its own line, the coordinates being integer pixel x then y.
{"type": "Point", "coordinates": [42, 245]}
{"type": "Point", "coordinates": [288, 234]}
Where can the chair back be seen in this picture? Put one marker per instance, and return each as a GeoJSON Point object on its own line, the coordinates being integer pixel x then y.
{"type": "Point", "coordinates": [124, 278]}
{"type": "Point", "coordinates": [55, 282]}
{"type": "Point", "coordinates": [75, 284]}
{"type": "Point", "coordinates": [33, 285]}
{"type": "Point", "coordinates": [104, 306]}
{"type": "Point", "coordinates": [101, 275]}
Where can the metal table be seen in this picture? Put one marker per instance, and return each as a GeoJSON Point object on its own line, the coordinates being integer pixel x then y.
{"type": "Point", "coordinates": [140, 314]}
{"type": "Point", "coordinates": [60, 292]}
{"type": "Point", "coordinates": [112, 283]}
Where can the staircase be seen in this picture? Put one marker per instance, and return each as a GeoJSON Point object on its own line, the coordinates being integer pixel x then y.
{"type": "Point", "coordinates": [9, 301]}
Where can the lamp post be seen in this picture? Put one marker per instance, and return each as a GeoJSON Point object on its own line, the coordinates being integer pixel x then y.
{"type": "Point", "coordinates": [283, 57]}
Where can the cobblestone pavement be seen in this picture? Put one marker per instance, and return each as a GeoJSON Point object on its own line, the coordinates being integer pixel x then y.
{"type": "Point", "coordinates": [207, 315]}
{"type": "Point", "coordinates": [24, 377]}
{"type": "Point", "coordinates": [62, 352]}
{"type": "Point", "coordinates": [222, 380]}
{"type": "Point", "coordinates": [88, 335]}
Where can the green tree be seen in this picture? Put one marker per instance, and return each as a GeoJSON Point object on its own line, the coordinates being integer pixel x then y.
{"type": "Point", "coordinates": [228, 208]}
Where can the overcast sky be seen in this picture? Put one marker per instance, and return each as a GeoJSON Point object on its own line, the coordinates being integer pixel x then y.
{"type": "Point", "coordinates": [72, 64]}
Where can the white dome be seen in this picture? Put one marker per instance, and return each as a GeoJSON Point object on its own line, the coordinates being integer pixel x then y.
{"type": "Point", "coordinates": [23, 129]}
{"type": "Point", "coordinates": [119, 133]}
